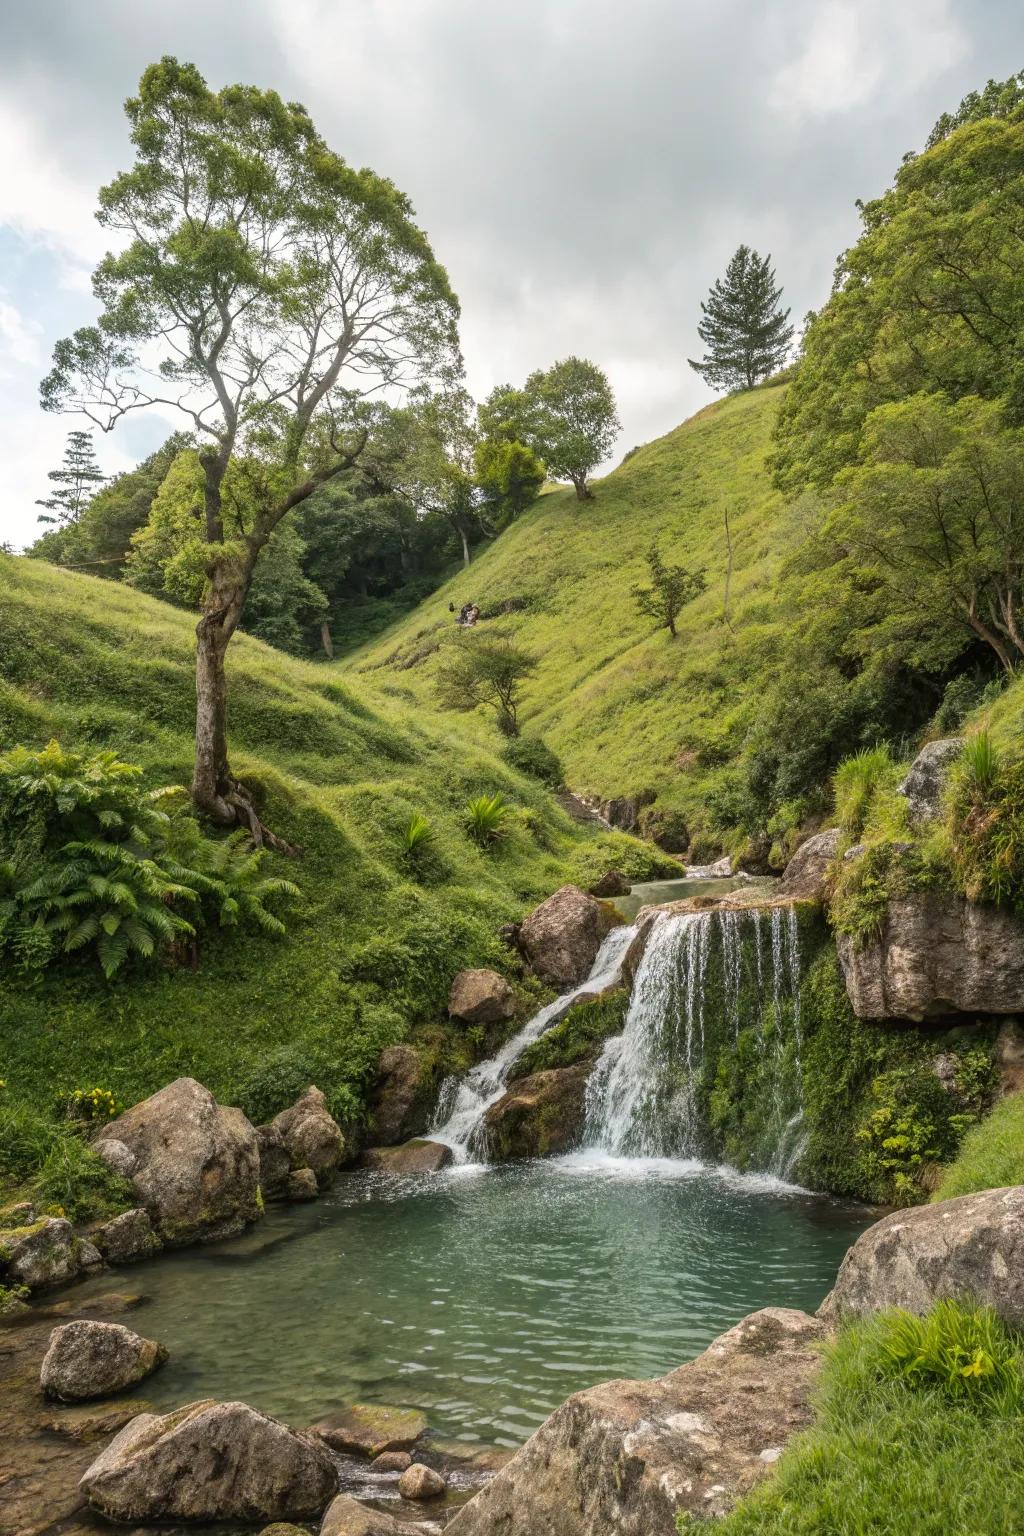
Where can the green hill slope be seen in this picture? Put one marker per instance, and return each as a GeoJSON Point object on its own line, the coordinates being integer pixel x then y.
{"type": "Point", "coordinates": [627, 709]}
{"type": "Point", "coordinates": [339, 769]}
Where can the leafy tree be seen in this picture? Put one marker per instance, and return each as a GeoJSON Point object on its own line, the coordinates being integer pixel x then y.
{"type": "Point", "coordinates": [565, 414]}
{"type": "Point", "coordinates": [509, 476]}
{"type": "Point", "coordinates": [671, 588]}
{"type": "Point", "coordinates": [1000, 98]}
{"type": "Point", "coordinates": [746, 332]}
{"type": "Point", "coordinates": [486, 671]}
{"type": "Point", "coordinates": [933, 514]}
{"type": "Point", "coordinates": [423, 454]}
{"type": "Point", "coordinates": [264, 287]}
{"type": "Point", "coordinates": [76, 481]}
{"type": "Point", "coordinates": [930, 298]}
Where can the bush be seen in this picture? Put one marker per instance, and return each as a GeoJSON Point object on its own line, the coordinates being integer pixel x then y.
{"type": "Point", "coordinates": [485, 818]}
{"type": "Point", "coordinates": [986, 824]}
{"type": "Point", "coordinates": [966, 1352]}
{"type": "Point", "coordinates": [884, 872]}
{"type": "Point", "coordinates": [531, 755]}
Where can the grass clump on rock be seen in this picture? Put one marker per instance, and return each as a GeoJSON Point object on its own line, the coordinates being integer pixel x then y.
{"type": "Point", "coordinates": [991, 1155]}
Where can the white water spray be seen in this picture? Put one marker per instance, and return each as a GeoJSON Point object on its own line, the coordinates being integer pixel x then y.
{"type": "Point", "coordinates": [463, 1102]}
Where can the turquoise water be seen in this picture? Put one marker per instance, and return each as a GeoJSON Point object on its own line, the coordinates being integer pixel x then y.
{"type": "Point", "coordinates": [482, 1296]}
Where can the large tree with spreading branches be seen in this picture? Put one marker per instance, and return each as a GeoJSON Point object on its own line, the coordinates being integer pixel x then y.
{"type": "Point", "coordinates": [262, 288]}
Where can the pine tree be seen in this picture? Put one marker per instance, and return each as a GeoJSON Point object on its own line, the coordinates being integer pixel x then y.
{"type": "Point", "coordinates": [76, 479]}
{"type": "Point", "coordinates": [746, 333]}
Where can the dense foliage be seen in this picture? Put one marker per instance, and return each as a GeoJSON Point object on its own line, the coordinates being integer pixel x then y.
{"type": "Point", "coordinates": [565, 414]}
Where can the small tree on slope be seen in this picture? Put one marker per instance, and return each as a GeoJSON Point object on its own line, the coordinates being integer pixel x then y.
{"type": "Point", "coordinates": [264, 286]}
{"type": "Point", "coordinates": [746, 332]}
{"type": "Point", "coordinates": [76, 481]}
{"type": "Point", "coordinates": [672, 587]}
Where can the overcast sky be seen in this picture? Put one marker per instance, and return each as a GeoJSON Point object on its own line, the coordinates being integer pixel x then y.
{"type": "Point", "coordinates": [584, 168]}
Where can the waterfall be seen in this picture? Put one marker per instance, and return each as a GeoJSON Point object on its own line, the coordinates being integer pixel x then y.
{"type": "Point", "coordinates": [463, 1102]}
{"type": "Point", "coordinates": [704, 981]}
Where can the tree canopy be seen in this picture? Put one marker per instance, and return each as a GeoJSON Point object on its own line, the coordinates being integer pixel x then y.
{"type": "Point", "coordinates": [566, 415]}
{"type": "Point", "coordinates": [743, 326]}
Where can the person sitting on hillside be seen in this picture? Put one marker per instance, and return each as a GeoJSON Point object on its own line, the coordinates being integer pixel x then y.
{"type": "Point", "coordinates": [468, 615]}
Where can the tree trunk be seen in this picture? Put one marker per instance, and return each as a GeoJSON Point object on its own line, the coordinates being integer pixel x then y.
{"type": "Point", "coordinates": [466, 557]}
{"type": "Point", "coordinates": [211, 781]}
{"type": "Point", "coordinates": [325, 639]}
{"type": "Point", "coordinates": [583, 493]}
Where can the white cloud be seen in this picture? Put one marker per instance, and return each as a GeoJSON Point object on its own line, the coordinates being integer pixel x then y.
{"type": "Point", "coordinates": [38, 198]}
{"type": "Point", "coordinates": [852, 50]}
{"type": "Point", "coordinates": [20, 339]}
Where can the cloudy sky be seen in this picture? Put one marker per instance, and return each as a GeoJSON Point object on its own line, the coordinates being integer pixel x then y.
{"type": "Point", "coordinates": [584, 167]}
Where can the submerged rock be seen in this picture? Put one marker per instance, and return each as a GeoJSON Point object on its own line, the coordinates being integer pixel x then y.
{"type": "Point", "coordinates": [401, 1099]}
{"type": "Point", "coordinates": [925, 784]}
{"type": "Point", "coordinates": [971, 1247]}
{"type": "Point", "coordinates": [89, 1359]}
{"type": "Point", "coordinates": [540, 1116]}
{"type": "Point", "coordinates": [194, 1163]}
{"type": "Point", "coordinates": [310, 1134]}
{"type": "Point", "coordinates": [347, 1517]}
{"type": "Point", "coordinates": [629, 1456]}
{"type": "Point", "coordinates": [127, 1237]}
{"type": "Point", "coordinates": [210, 1461]}
{"type": "Point", "coordinates": [413, 1157]}
{"type": "Point", "coordinates": [46, 1254]}
{"type": "Point", "coordinates": [370, 1429]}
{"type": "Point", "coordinates": [804, 877]}
{"type": "Point", "coordinates": [936, 954]}
{"type": "Point", "coordinates": [481, 997]}
{"type": "Point", "coordinates": [562, 936]}
{"type": "Point", "coordinates": [302, 1185]}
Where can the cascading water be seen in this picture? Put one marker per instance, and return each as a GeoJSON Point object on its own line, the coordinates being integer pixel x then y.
{"type": "Point", "coordinates": [704, 981]}
{"type": "Point", "coordinates": [463, 1102]}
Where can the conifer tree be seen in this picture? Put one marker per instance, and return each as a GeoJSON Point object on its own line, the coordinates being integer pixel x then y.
{"type": "Point", "coordinates": [745, 330]}
{"type": "Point", "coordinates": [76, 481]}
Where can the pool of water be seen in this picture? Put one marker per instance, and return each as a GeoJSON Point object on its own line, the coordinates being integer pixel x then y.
{"type": "Point", "coordinates": [483, 1296]}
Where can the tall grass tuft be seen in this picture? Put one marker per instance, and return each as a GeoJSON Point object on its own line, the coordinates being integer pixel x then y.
{"type": "Point", "coordinates": [857, 781]}
{"type": "Point", "coordinates": [485, 818]}
{"type": "Point", "coordinates": [417, 837]}
{"type": "Point", "coordinates": [980, 764]}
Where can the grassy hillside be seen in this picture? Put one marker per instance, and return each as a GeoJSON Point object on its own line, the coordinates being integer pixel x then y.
{"type": "Point", "coordinates": [339, 769]}
{"type": "Point", "coordinates": [626, 708]}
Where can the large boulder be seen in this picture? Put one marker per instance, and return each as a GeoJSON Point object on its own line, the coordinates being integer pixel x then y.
{"type": "Point", "coordinates": [411, 1157]}
{"type": "Point", "coordinates": [46, 1254]}
{"type": "Point", "coordinates": [971, 1247]}
{"type": "Point", "coordinates": [936, 954]}
{"type": "Point", "coordinates": [804, 877]}
{"type": "Point", "coordinates": [925, 784]}
{"type": "Point", "coordinates": [195, 1164]}
{"type": "Point", "coordinates": [624, 812]}
{"type": "Point", "coordinates": [481, 997]}
{"type": "Point", "coordinates": [401, 1100]}
{"type": "Point", "coordinates": [629, 1456]}
{"type": "Point", "coordinates": [347, 1517]}
{"type": "Point", "coordinates": [88, 1359]}
{"type": "Point", "coordinates": [275, 1163]}
{"type": "Point", "coordinates": [312, 1137]}
{"type": "Point", "coordinates": [562, 936]}
{"type": "Point", "coordinates": [370, 1429]}
{"type": "Point", "coordinates": [210, 1461]}
{"type": "Point", "coordinates": [612, 883]}
{"type": "Point", "coordinates": [539, 1116]}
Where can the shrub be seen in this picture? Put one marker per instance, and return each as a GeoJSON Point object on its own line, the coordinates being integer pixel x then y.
{"type": "Point", "coordinates": [417, 837]}
{"type": "Point", "coordinates": [884, 872]}
{"type": "Point", "coordinates": [986, 824]}
{"type": "Point", "coordinates": [857, 780]}
{"type": "Point", "coordinates": [531, 755]}
{"type": "Point", "coordinates": [485, 818]}
{"type": "Point", "coordinates": [967, 1352]}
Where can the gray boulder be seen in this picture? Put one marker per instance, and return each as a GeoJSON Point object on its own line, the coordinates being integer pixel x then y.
{"type": "Point", "coordinates": [412, 1157]}
{"type": "Point", "coordinates": [629, 1456]}
{"type": "Point", "coordinates": [275, 1163]}
{"type": "Point", "coordinates": [90, 1359]}
{"type": "Point", "coordinates": [612, 883]}
{"type": "Point", "coordinates": [312, 1137]}
{"type": "Point", "coordinates": [805, 875]}
{"type": "Point", "coordinates": [127, 1238]}
{"type": "Point", "coordinates": [937, 954]}
{"type": "Point", "coordinates": [540, 1116]}
{"type": "Point", "coordinates": [302, 1185]}
{"type": "Point", "coordinates": [370, 1429]}
{"type": "Point", "coordinates": [420, 1482]}
{"type": "Point", "coordinates": [562, 936]}
{"type": "Point", "coordinates": [210, 1461]}
{"type": "Point", "coordinates": [971, 1247]}
{"type": "Point", "coordinates": [401, 1099]}
{"type": "Point", "coordinates": [925, 784]}
{"type": "Point", "coordinates": [46, 1254]}
{"type": "Point", "coordinates": [481, 997]}
{"type": "Point", "coordinates": [195, 1164]}
{"type": "Point", "coordinates": [347, 1517]}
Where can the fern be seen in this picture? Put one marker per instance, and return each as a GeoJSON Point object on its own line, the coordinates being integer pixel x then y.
{"type": "Point", "coordinates": [485, 817]}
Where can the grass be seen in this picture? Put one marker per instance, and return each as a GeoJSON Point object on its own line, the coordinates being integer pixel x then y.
{"type": "Point", "coordinates": [342, 767]}
{"type": "Point", "coordinates": [895, 1452]}
{"type": "Point", "coordinates": [625, 707]}
{"type": "Point", "coordinates": [991, 1155]}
